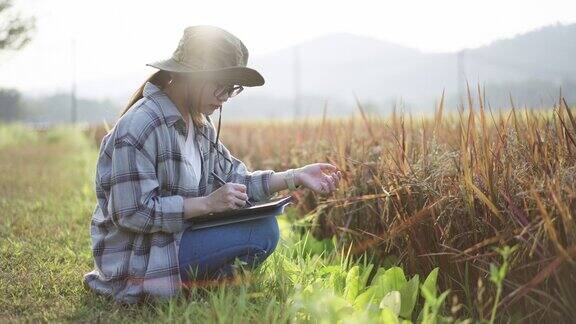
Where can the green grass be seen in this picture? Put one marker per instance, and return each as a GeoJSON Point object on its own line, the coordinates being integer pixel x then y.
{"type": "Point", "coordinates": [46, 205]}
{"type": "Point", "coordinates": [12, 134]}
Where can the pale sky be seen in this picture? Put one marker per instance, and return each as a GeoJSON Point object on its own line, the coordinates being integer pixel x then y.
{"type": "Point", "coordinates": [116, 38]}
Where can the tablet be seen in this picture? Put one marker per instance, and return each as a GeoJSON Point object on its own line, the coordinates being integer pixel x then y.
{"type": "Point", "coordinates": [259, 210]}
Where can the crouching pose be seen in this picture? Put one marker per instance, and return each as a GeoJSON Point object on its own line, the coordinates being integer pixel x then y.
{"type": "Point", "coordinates": [155, 173]}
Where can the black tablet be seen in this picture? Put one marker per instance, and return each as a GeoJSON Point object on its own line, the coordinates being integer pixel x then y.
{"type": "Point", "coordinates": [262, 209]}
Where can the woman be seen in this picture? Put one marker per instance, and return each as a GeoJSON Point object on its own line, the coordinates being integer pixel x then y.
{"type": "Point", "coordinates": [155, 174]}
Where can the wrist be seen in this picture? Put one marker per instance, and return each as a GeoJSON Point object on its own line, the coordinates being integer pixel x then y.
{"type": "Point", "coordinates": [297, 177]}
{"type": "Point", "coordinates": [290, 179]}
{"type": "Point", "coordinates": [206, 204]}
{"type": "Point", "coordinates": [196, 206]}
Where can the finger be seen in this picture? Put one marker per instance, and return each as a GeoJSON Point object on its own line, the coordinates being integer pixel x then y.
{"type": "Point", "coordinates": [241, 195]}
{"type": "Point", "coordinates": [323, 187]}
{"type": "Point", "coordinates": [328, 188]}
{"type": "Point", "coordinates": [336, 180]}
{"type": "Point", "coordinates": [333, 181]}
{"type": "Point", "coordinates": [327, 167]}
{"type": "Point", "coordinates": [330, 183]}
{"type": "Point", "coordinates": [240, 187]}
{"type": "Point", "coordinates": [238, 203]}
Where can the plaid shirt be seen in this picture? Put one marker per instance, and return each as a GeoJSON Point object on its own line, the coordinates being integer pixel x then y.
{"type": "Point", "coordinates": [141, 181]}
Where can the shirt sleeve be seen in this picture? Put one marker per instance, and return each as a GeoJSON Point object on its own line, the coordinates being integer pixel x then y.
{"type": "Point", "coordinates": [134, 202]}
{"type": "Point", "coordinates": [257, 182]}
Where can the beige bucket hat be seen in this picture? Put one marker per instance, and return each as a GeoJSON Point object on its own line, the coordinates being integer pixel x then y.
{"type": "Point", "coordinates": [210, 52]}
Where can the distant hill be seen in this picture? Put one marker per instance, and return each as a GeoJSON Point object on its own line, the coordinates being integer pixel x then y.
{"type": "Point", "coordinates": [546, 53]}
{"type": "Point", "coordinates": [379, 72]}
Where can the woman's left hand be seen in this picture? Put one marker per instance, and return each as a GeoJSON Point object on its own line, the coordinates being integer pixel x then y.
{"type": "Point", "coordinates": [323, 178]}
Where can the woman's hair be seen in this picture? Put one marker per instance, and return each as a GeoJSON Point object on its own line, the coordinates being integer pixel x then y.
{"type": "Point", "coordinates": [161, 79]}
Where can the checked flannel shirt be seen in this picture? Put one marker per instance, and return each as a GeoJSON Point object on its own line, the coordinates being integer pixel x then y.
{"type": "Point", "coordinates": [141, 182]}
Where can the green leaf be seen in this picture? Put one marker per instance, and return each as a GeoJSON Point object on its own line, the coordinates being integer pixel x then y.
{"type": "Point", "coordinates": [337, 282]}
{"type": "Point", "coordinates": [364, 277]}
{"type": "Point", "coordinates": [384, 282]}
{"type": "Point", "coordinates": [494, 275]}
{"type": "Point", "coordinates": [352, 284]}
{"type": "Point", "coordinates": [393, 301]}
{"type": "Point", "coordinates": [429, 296]}
{"type": "Point", "coordinates": [362, 301]}
{"type": "Point", "coordinates": [388, 317]}
{"type": "Point", "coordinates": [391, 279]}
{"type": "Point", "coordinates": [378, 274]}
{"type": "Point", "coordinates": [397, 276]}
{"type": "Point", "coordinates": [430, 283]}
{"type": "Point", "coordinates": [409, 295]}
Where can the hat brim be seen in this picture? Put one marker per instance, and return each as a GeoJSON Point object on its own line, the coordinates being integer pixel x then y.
{"type": "Point", "coordinates": [237, 75]}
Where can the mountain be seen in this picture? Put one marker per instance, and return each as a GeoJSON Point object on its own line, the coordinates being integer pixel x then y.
{"type": "Point", "coordinates": [332, 68]}
{"type": "Point", "coordinates": [545, 53]}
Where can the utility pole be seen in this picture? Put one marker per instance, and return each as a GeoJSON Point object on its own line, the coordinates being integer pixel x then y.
{"type": "Point", "coordinates": [297, 83]}
{"type": "Point", "coordinates": [461, 73]}
{"type": "Point", "coordinates": [73, 101]}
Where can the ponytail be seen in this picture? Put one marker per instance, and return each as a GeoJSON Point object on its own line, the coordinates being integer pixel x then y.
{"type": "Point", "coordinates": [160, 78]}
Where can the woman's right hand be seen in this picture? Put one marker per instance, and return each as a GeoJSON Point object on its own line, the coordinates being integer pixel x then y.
{"type": "Point", "coordinates": [229, 196]}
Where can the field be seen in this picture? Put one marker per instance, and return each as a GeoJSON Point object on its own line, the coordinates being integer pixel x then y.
{"type": "Point", "coordinates": [460, 216]}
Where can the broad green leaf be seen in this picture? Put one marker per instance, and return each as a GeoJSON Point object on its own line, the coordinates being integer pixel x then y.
{"type": "Point", "coordinates": [393, 301]}
{"type": "Point", "coordinates": [364, 277]}
{"type": "Point", "coordinates": [428, 295]}
{"type": "Point", "coordinates": [388, 317]}
{"type": "Point", "coordinates": [409, 295]}
{"type": "Point", "coordinates": [337, 282]}
{"type": "Point", "coordinates": [378, 274]}
{"type": "Point", "coordinates": [379, 288]}
{"type": "Point", "coordinates": [397, 278]}
{"type": "Point", "coordinates": [372, 294]}
{"type": "Point", "coordinates": [338, 303]}
{"type": "Point", "coordinates": [430, 283]}
{"type": "Point", "coordinates": [352, 284]}
{"type": "Point", "coordinates": [384, 282]}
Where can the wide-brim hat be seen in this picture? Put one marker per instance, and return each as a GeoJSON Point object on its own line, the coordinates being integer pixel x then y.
{"type": "Point", "coordinates": [211, 53]}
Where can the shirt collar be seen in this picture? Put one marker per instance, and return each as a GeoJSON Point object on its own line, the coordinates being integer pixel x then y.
{"type": "Point", "coordinates": [171, 113]}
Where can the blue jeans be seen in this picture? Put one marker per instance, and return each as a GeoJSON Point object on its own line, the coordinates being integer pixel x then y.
{"type": "Point", "coordinates": [208, 253]}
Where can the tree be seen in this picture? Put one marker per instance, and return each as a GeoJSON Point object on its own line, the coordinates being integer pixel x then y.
{"type": "Point", "coordinates": [15, 31]}
{"type": "Point", "coordinates": [10, 105]}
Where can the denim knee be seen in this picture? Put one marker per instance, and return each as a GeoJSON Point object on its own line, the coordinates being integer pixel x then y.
{"type": "Point", "coordinates": [266, 233]}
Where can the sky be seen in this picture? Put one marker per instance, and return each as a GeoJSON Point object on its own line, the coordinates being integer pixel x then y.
{"type": "Point", "coordinates": [114, 39]}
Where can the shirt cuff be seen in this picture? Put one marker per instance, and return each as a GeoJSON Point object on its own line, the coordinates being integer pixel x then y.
{"type": "Point", "coordinates": [264, 193]}
{"type": "Point", "coordinates": [172, 213]}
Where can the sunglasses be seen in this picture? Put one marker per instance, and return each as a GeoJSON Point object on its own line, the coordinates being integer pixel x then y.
{"type": "Point", "coordinates": [226, 89]}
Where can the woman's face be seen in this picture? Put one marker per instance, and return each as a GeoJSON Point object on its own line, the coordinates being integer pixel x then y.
{"type": "Point", "coordinates": [200, 96]}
